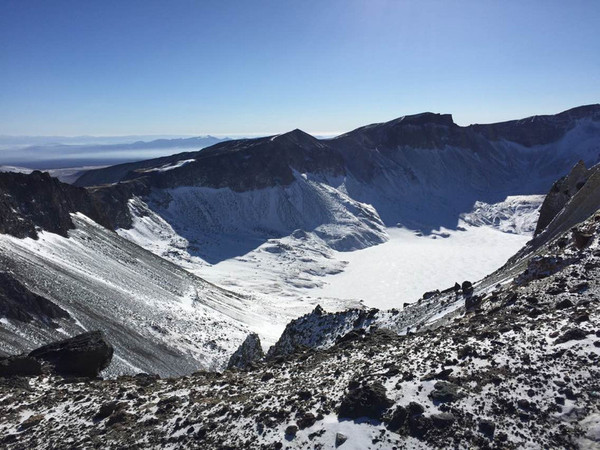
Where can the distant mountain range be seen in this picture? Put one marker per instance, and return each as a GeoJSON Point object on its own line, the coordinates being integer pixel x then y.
{"type": "Point", "coordinates": [84, 151]}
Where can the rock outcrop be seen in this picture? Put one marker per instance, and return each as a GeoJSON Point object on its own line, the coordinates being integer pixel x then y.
{"type": "Point", "coordinates": [560, 193]}
{"type": "Point", "coordinates": [20, 366]}
{"type": "Point", "coordinates": [38, 201]}
{"type": "Point", "coordinates": [85, 355]}
{"type": "Point", "coordinates": [319, 329]}
{"type": "Point", "coordinates": [249, 352]}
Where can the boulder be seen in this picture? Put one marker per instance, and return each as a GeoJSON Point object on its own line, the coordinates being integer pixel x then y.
{"type": "Point", "coordinates": [467, 288]}
{"type": "Point", "coordinates": [21, 366]}
{"type": "Point", "coordinates": [84, 355]}
{"type": "Point", "coordinates": [398, 418]}
{"type": "Point", "coordinates": [340, 438]}
{"type": "Point", "coordinates": [574, 334]}
{"type": "Point", "coordinates": [418, 426]}
{"type": "Point", "coordinates": [366, 400]}
{"type": "Point", "coordinates": [487, 428]}
{"type": "Point", "coordinates": [445, 392]}
{"type": "Point", "coordinates": [473, 302]}
{"type": "Point", "coordinates": [564, 304]}
{"type": "Point", "coordinates": [581, 238]}
{"type": "Point", "coordinates": [442, 420]}
{"type": "Point", "coordinates": [429, 294]}
{"type": "Point", "coordinates": [306, 420]}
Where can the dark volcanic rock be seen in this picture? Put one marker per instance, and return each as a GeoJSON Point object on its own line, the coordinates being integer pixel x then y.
{"type": "Point", "coordinates": [84, 355]}
{"type": "Point", "coordinates": [398, 418]}
{"type": "Point", "coordinates": [442, 420]}
{"type": "Point", "coordinates": [250, 351]}
{"type": "Point", "coordinates": [105, 410]}
{"type": "Point", "coordinates": [340, 439]}
{"type": "Point", "coordinates": [445, 392]}
{"type": "Point", "coordinates": [487, 427]}
{"type": "Point", "coordinates": [565, 303]}
{"type": "Point", "coordinates": [574, 334]}
{"type": "Point", "coordinates": [367, 400]}
{"type": "Point", "coordinates": [415, 409]}
{"type": "Point", "coordinates": [418, 426]}
{"type": "Point", "coordinates": [473, 302]}
{"type": "Point", "coordinates": [291, 430]}
{"type": "Point", "coordinates": [560, 193]}
{"type": "Point", "coordinates": [249, 164]}
{"type": "Point", "coordinates": [21, 365]}
{"type": "Point", "coordinates": [31, 422]}
{"type": "Point", "coordinates": [467, 288]}
{"type": "Point", "coordinates": [19, 303]}
{"type": "Point", "coordinates": [581, 238]}
{"type": "Point", "coordinates": [38, 200]}
{"type": "Point", "coordinates": [306, 420]}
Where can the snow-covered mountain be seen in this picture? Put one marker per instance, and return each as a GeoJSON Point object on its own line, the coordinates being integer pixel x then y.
{"type": "Point", "coordinates": [275, 212]}
{"type": "Point", "coordinates": [421, 172]}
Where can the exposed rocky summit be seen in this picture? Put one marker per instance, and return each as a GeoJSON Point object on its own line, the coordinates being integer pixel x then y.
{"type": "Point", "coordinates": [250, 351]}
{"type": "Point", "coordinates": [560, 194]}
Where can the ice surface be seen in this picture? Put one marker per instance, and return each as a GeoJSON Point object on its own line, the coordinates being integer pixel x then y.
{"type": "Point", "coordinates": [402, 269]}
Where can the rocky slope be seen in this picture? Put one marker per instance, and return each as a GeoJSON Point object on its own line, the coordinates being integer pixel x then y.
{"type": "Point", "coordinates": [518, 370]}
{"type": "Point", "coordinates": [509, 362]}
{"type": "Point", "coordinates": [62, 273]}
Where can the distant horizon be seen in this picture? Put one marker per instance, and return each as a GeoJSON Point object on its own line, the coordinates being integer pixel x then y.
{"type": "Point", "coordinates": [251, 135]}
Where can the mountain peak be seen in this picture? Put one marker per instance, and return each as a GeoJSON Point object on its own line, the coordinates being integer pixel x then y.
{"type": "Point", "coordinates": [426, 118]}
{"type": "Point", "coordinates": [296, 136]}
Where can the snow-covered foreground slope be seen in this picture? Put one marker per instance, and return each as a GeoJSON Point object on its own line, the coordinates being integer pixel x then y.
{"type": "Point", "coordinates": [160, 318]}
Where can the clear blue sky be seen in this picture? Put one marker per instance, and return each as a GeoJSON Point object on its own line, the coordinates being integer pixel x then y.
{"type": "Point", "coordinates": [223, 67]}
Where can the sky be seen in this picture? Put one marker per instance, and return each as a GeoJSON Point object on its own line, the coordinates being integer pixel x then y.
{"type": "Point", "coordinates": [183, 67]}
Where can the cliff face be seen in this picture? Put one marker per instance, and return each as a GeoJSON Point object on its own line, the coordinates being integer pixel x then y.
{"type": "Point", "coordinates": [560, 193]}
{"type": "Point", "coordinates": [38, 201]}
